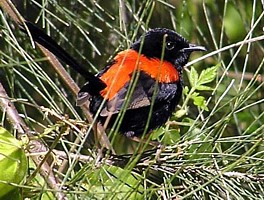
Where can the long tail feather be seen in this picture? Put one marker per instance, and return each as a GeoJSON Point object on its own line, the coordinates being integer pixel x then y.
{"type": "Point", "coordinates": [46, 41]}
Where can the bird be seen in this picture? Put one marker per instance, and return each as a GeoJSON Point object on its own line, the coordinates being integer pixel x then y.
{"type": "Point", "coordinates": [145, 79]}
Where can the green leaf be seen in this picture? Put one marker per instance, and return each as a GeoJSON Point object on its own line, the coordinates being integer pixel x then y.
{"type": "Point", "coordinates": [203, 88]}
{"type": "Point", "coordinates": [194, 94]}
{"type": "Point", "coordinates": [200, 102]}
{"type": "Point", "coordinates": [193, 77]}
{"type": "Point", "coordinates": [185, 90]}
{"type": "Point", "coordinates": [208, 75]}
{"type": "Point", "coordinates": [157, 133]}
{"type": "Point", "coordinates": [180, 113]}
{"type": "Point", "coordinates": [172, 136]}
{"type": "Point", "coordinates": [13, 162]}
{"type": "Point", "coordinates": [111, 182]}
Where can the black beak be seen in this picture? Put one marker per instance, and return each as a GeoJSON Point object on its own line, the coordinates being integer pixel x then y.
{"type": "Point", "coordinates": [193, 47]}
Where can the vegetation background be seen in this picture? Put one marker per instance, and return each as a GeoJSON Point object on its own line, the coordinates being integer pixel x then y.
{"type": "Point", "coordinates": [214, 142]}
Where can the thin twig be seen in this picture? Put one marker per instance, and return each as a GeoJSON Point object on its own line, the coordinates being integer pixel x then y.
{"type": "Point", "coordinates": [255, 39]}
{"type": "Point", "coordinates": [246, 76]}
{"type": "Point", "coordinates": [12, 115]}
{"type": "Point", "coordinates": [147, 158]}
{"type": "Point", "coordinates": [35, 146]}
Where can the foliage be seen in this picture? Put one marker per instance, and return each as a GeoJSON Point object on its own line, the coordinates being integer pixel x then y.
{"type": "Point", "coordinates": [213, 144]}
{"type": "Point", "coordinates": [13, 163]}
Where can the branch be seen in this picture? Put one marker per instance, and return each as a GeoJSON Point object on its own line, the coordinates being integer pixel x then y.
{"type": "Point", "coordinates": [35, 146]}
{"type": "Point", "coordinates": [12, 115]}
{"type": "Point", "coordinates": [147, 159]}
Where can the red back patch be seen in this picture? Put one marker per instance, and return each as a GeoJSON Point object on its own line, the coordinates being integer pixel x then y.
{"type": "Point", "coordinates": [126, 62]}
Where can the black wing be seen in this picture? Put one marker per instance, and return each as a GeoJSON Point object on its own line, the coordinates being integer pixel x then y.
{"type": "Point", "coordinates": [142, 95]}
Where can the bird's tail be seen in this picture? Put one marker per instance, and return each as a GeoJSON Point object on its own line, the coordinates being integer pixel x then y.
{"type": "Point", "coordinates": [46, 41]}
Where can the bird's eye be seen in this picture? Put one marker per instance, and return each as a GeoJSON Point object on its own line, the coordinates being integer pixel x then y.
{"type": "Point", "coordinates": [169, 45]}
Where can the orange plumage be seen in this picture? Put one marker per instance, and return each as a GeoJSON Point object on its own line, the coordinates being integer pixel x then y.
{"type": "Point", "coordinates": [126, 62]}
